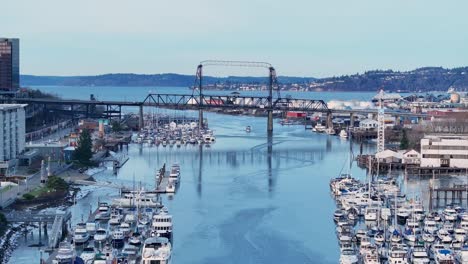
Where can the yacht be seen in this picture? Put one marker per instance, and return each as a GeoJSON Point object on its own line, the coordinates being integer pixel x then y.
{"type": "Point", "coordinates": [135, 239]}
{"type": "Point", "coordinates": [65, 254]}
{"type": "Point", "coordinates": [156, 250]}
{"type": "Point", "coordinates": [174, 176]}
{"type": "Point", "coordinates": [397, 255]}
{"type": "Point", "coordinates": [444, 256]}
{"type": "Point", "coordinates": [319, 128]}
{"type": "Point", "coordinates": [162, 224]}
{"type": "Point", "coordinates": [460, 234]}
{"type": "Point", "coordinates": [428, 237]}
{"type": "Point", "coordinates": [343, 134]}
{"type": "Point", "coordinates": [101, 235]}
{"type": "Point", "coordinates": [115, 218]}
{"type": "Point", "coordinates": [430, 226]}
{"type": "Point", "coordinates": [130, 252]}
{"type": "Point", "coordinates": [330, 131]}
{"type": "Point", "coordinates": [248, 129]}
{"type": "Point", "coordinates": [140, 199]}
{"type": "Point", "coordinates": [462, 256]}
{"type": "Point", "coordinates": [91, 228]}
{"type": "Point", "coordinates": [371, 257]}
{"type": "Point", "coordinates": [348, 256]}
{"type": "Point", "coordinates": [419, 255]}
{"type": "Point", "coordinates": [103, 212]}
{"type": "Point", "coordinates": [80, 235]}
{"type": "Point", "coordinates": [88, 254]}
{"type": "Point", "coordinates": [117, 238]}
{"type": "Point", "coordinates": [125, 228]}
{"type": "Point", "coordinates": [170, 188]}
{"type": "Point", "coordinates": [450, 214]}
{"type": "Point", "coordinates": [371, 214]}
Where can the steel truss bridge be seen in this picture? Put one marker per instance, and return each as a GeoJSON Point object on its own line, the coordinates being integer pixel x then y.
{"type": "Point", "coordinates": [199, 101]}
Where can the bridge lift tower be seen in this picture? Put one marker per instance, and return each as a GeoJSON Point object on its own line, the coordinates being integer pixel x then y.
{"type": "Point", "coordinates": [272, 84]}
{"type": "Point", "coordinates": [381, 124]}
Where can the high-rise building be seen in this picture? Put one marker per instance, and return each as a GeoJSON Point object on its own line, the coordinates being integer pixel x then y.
{"type": "Point", "coordinates": [12, 133]}
{"type": "Point", "coordinates": [9, 64]}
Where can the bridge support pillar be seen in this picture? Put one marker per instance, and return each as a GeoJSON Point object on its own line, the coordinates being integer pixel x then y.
{"type": "Point", "coordinates": [200, 121]}
{"type": "Point", "coordinates": [270, 121]}
{"type": "Point", "coordinates": [140, 118]}
{"type": "Point", "coordinates": [420, 119]}
{"type": "Point", "coordinates": [329, 120]}
{"type": "Point", "coordinates": [351, 120]}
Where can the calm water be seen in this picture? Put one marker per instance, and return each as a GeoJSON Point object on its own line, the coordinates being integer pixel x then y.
{"type": "Point", "coordinates": [238, 202]}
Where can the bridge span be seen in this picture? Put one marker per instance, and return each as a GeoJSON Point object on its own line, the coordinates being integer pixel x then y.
{"type": "Point", "coordinates": [113, 109]}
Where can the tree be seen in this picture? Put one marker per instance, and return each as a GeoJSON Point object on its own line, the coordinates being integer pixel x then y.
{"type": "Point", "coordinates": [56, 183]}
{"type": "Point", "coordinates": [116, 127]}
{"type": "Point", "coordinates": [83, 152]}
{"type": "Point", "coordinates": [404, 142]}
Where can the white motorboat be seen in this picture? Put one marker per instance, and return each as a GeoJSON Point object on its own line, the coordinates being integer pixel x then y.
{"type": "Point", "coordinates": [330, 131]}
{"type": "Point", "coordinates": [88, 254]}
{"type": "Point", "coordinates": [156, 250]}
{"type": "Point", "coordinates": [371, 214]}
{"type": "Point", "coordinates": [135, 239]}
{"type": "Point", "coordinates": [428, 237]}
{"type": "Point", "coordinates": [130, 252]}
{"type": "Point", "coordinates": [91, 228]}
{"type": "Point", "coordinates": [343, 134]}
{"type": "Point", "coordinates": [248, 129]}
{"type": "Point", "coordinates": [462, 256]}
{"type": "Point", "coordinates": [450, 214]}
{"type": "Point", "coordinates": [162, 224]}
{"type": "Point", "coordinates": [174, 175]}
{"type": "Point", "coordinates": [444, 256]}
{"type": "Point", "coordinates": [419, 255]}
{"type": "Point", "coordinates": [125, 228]}
{"type": "Point", "coordinates": [348, 256]}
{"type": "Point", "coordinates": [117, 238]}
{"type": "Point", "coordinates": [430, 226]}
{"type": "Point", "coordinates": [397, 255]}
{"type": "Point", "coordinates": [115, 218]}
{"type": "Point", "coordinates": [170, 188]}
{"type": "Point", "coordinates": [101, 235]}
{"type": "Point", "coordinates": [319, 128]}
{"type": "Point", "coordinates": [460, 234]}
{"type": "Point", "coordinates": [444, 236]}
{"type": "Point", "coordinates": [133, 199]}
{"type": "Point", "coordinates": [80, 234]}
{"type": "Point", "coordinates": [371, 257]}
{"type": "Point", "coordinates": [103, 212]}
{"type": "Point", "coordinates": [65, 254]}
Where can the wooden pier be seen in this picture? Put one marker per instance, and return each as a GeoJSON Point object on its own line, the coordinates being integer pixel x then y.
{"type": "Point", "coordinates": [411, 169]}
{"type": "Point", "coordinates": [456, 193]}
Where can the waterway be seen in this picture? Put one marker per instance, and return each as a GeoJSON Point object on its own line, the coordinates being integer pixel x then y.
{"type": "Point", "coordinates": [239, 200]}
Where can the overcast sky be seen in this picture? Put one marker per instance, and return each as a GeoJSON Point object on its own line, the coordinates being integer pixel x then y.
{"type": "Point", "coordinates": [299, 37]}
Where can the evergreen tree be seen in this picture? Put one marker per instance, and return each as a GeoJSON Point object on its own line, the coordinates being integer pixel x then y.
{"type": "Point", "coordinates": [404, 142]}
{"type": "Point", "coordinates": [83, 153]}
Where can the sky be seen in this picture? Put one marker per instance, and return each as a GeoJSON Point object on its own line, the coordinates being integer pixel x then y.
{"type": "Point", "coordinates": [298, 37]}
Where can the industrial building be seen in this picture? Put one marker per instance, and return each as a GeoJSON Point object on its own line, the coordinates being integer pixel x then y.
{"type": "Point", "coordinates": [444, 151]}
{"type": "Point", "coordinates": [12, 134]}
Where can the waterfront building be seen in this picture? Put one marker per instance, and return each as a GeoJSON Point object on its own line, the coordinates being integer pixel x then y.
{"type": "Point", "coordinates": [9, 65]}
{"type": "Point", "coordinates": [444, 151]}
{"type": "Point", "coordinates": [388, 156]}
{"type": "Point", "coordinates": [368, 124]}
{"type": "Point", "coordinates": [411, 157]}
{"type": "Point", "coordinates": [12, 134]}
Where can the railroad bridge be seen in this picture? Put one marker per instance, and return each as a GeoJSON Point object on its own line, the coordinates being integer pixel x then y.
{"type": "Point", "coordinates": [202, 102]}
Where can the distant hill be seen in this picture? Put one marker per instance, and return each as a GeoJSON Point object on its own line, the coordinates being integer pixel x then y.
{"type": "Point", "coordinates": [130, 79]}
{"type": "Point", "coordinates": [422, 79]}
